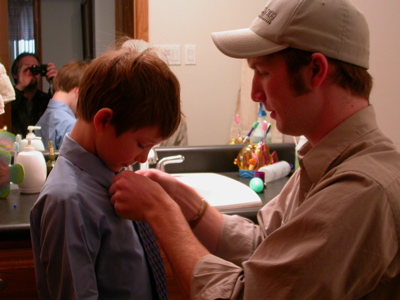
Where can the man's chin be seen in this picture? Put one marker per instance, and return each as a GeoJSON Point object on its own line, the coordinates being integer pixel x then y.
{"type": "Point", "coordinates": [32, 85]}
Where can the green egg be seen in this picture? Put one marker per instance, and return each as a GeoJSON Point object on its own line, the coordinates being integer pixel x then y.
{"type": "Point", "coordinates": [257, 184]}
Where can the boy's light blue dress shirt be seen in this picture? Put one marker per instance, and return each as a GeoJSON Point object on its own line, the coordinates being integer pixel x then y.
{"type": "Point", "coordinates": [82, 249]}
{"type": "Point", "coordinates": [57, 120]}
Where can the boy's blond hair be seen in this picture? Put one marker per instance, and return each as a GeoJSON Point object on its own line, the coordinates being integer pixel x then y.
{"type": "Point", "coordinates": [70, 75]}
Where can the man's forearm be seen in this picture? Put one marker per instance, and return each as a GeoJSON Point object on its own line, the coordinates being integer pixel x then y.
{"type": "Point", "coordinates": [182, 249]}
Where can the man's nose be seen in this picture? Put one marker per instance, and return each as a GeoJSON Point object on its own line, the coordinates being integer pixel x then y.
{"type": "Point", "coordinates": [257, 94]}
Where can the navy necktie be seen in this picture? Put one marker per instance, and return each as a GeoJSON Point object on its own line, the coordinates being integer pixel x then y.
{"type": "Point", "coordinates": [154, 258]}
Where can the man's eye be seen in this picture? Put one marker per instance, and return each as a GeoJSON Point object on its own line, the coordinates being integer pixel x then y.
{"type": "Point", "coordinates": [141, 146]}
{"type": "Point", "coordinates": [261, 72]}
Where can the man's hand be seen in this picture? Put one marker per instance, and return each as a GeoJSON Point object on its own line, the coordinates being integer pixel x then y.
{"type": "Point", "coordinates": [137, 197]}
{"type": "Point", "coordinates": [25, 77]}
{"type": "Point", "coordinates": [51, 72]}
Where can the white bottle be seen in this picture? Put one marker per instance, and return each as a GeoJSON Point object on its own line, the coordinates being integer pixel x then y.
{"type": "Point", "coordinates": [275, 171]}
{"type": "Point", "coordinates": [259, 132]}
{"type": "Point", "coordinates": [36, 140]}
{"type": "Point", "coordinates": [34, 167]}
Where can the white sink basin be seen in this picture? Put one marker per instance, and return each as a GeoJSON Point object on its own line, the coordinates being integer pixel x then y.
{"type": "Point", "coordinates": [221, 191]}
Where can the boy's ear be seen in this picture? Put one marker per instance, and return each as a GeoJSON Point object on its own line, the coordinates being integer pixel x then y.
{"type": "Point", "coordinates": [76, 91]}
{"type": "Point", "coordinates": [102, 119]}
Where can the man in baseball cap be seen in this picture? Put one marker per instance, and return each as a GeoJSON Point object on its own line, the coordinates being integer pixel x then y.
{"type": "Point", "coordinates": [333, 231]}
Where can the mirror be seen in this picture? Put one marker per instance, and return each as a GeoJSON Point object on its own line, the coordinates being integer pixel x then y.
{"type": "Point", "coordinates": [210, 88]}
{"type": "Point", "coordinates": [210, 82]}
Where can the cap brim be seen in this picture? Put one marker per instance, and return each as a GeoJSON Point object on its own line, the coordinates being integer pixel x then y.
{"type": "Point", "coordinates": [244, 43]}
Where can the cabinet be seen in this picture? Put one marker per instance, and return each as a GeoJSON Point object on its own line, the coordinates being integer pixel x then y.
{"type": "Point", "coordinates": [17, 274]}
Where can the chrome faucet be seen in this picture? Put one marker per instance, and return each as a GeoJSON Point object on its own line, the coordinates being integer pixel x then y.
{"type": "Point", "coordinates": [169, 160]}
{"type": "Point", "coordinates": [151, 159]}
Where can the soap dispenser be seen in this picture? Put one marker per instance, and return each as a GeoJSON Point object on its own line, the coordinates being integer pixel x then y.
{"type": "Point", "coordinates": [36, 140]}
{"type": "Point", "coordinates": [35, 169]}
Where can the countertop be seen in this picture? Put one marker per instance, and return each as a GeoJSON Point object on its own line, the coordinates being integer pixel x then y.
{"type": "Point", "coordinates": [15, 209]}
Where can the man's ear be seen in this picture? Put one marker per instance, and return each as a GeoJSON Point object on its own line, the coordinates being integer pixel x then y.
{"type": "Point", "coordinates": [319, 66]}
{"type": "Point", "coordinates": [102, 119]}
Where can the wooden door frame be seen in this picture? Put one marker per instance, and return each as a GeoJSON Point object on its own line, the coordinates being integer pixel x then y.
{"type": "Point", "coordinates": [37, 31]}
{"type": "Point", "coordinates": [5, 119]}
{"type": "Point", "coordinates": [132, 19]}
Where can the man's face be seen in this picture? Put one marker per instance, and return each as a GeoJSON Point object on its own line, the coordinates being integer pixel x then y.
{"type": "Point", "coordinates": [24, 73]}
{"type": "Point", "coordinates": [272, 86]}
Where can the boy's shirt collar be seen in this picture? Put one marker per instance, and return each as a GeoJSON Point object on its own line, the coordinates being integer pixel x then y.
{"type": "Point", "coordinates": [86, 161]}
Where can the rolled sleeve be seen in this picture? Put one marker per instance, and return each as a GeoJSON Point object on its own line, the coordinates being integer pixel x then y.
{"type": "Point", "coordinates": [215, 278]}
{"type": "Point", "coordinates": [247, 236]}
{"type": "Point", "coordinates": [221, 276]}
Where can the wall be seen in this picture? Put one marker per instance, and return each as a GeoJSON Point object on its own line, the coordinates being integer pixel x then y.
{"type": "Point", "coordinates": [104, 24]}
{"type": "Point", "coordinates": [384, 24]}
{"type": "Point", "coordinates": [210, 88]}
{"type": "Point", "coordinates": [61, 31]}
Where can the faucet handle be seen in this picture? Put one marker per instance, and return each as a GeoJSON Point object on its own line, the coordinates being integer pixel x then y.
{"type": "Point", "coordinates": [152, 158]}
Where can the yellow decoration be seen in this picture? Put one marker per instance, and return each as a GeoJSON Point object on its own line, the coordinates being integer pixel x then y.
{"type": "Point", "coordinates": [254, 156]}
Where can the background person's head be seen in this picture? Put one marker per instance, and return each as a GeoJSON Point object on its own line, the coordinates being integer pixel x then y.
{"type": "Point", "coordinates": [23, 63]}
{"type": "Point", "coordinates": [139, 88]}
{"type": "Point", "coordinates": [67, 81]}
{"type": "Point", "coordinates": [70, 76]}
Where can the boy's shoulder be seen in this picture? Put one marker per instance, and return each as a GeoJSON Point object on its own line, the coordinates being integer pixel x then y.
{"type": "Point", "coordinates": [68, 183]}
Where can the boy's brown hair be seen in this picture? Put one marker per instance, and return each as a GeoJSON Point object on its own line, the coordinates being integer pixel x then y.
{"type": "Point", "coordinates": [140, 88]}
{"type": "Point", "coordinates": [70, 75]}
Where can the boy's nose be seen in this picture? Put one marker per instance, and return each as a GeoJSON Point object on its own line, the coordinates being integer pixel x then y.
{"type": "Point", "coordinates": [142, 157]}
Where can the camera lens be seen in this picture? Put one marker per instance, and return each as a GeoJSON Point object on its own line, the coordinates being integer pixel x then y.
{"type": "Point", "coordinates": [42, 70]}
{"type": "Point", "coordinates": [35, 70]}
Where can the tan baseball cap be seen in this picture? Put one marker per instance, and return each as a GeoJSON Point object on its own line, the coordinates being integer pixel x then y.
{"type": "Point", "coordinates": [335, 28]}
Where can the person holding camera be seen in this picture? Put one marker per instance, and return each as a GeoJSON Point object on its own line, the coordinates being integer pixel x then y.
{"type": "Point", "coordinates": [30, 102]}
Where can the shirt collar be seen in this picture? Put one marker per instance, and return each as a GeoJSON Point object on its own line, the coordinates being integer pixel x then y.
{"type": "Point", "coordinates": [86, 161]}
{"type": "Point", "coordinates": [53, 103]}
{"type": "Point", "coordinates": [317, 160]}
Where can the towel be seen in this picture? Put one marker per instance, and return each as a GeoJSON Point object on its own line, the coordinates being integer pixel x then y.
{"type": "Point", "coordinates": [7, 92]}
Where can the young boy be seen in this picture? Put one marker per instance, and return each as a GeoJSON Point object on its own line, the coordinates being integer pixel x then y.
{"type": "Point", "coordinates": [128, 102]}
{"type": "Point", "coordinates": [59, 117]}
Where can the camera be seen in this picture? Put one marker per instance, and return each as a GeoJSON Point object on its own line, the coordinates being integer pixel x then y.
{"type": "Point", "coordinates": [42, 70]}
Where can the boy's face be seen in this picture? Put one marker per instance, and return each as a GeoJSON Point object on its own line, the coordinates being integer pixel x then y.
{"type": "Point", "coordinates": [128, 148]}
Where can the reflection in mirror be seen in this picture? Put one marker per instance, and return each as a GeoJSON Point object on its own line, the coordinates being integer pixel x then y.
{"type": "Point", "coordinates": [21, 28]}
{"type": "Point", "coordinates": [210, 85]}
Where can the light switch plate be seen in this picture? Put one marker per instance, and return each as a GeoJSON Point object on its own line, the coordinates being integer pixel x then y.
{"type": "Point", "coordinates": [190, 54]}
{"type": "Point", "coordinates": [172, 53]}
